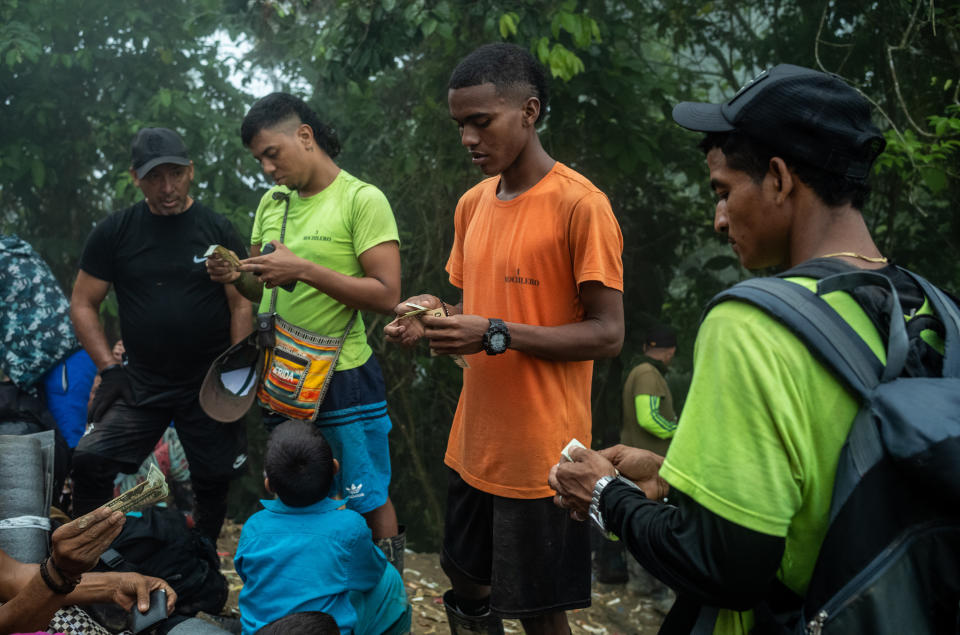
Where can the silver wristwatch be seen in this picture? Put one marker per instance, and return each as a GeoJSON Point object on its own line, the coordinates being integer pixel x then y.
{"type": "Point", "coordinates": [596, 517]}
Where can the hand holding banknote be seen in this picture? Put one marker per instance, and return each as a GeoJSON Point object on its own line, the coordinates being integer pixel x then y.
{"type": "Point", "coordinates": [142, 495]}
{"type": "Point", "coordinates": [221, 264]}
{"type": "Point", "coordinates": [407, 329]}
{"type": "Point", "coordinates": [76, 546]}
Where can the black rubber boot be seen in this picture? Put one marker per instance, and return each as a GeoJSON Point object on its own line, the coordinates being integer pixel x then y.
{"type": "Point", "coordinates": [393, 547]}
{"type": "Point", "coordinates": [461, 624]}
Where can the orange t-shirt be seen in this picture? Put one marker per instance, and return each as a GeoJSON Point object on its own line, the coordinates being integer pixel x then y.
{"type": "Point", "coordinates": [522, 261]}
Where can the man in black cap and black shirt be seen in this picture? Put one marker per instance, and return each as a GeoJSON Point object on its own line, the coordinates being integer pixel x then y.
{"type": "Point", "coordinates": [174, 322]}
{"type": "Point", "coordinates": [751, 468]}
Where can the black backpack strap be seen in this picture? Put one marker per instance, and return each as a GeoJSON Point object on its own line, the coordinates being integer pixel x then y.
{"type": "Point", "coordinates": [949, 315]}
{"type": "Point", "coordinates": [898, 343]}
{"type": "Point", "coordinates": [815, 322]}
{"type": "Point", "coordinates": [111, 558]}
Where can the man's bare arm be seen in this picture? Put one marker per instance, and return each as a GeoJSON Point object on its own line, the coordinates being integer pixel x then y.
{"type": "Point", "coordinates": [598, 335]}
{"type": "Point", "coordinates": [88, 294]}
{"type": "Point", "coordinates": [241, 314]}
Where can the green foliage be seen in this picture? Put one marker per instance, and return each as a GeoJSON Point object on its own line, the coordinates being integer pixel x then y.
{"type": "Point", "coordinates": [79, 83]}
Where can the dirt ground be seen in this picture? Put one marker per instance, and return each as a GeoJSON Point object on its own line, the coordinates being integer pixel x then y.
{"type": "Point", "coordinates": [615, 611]}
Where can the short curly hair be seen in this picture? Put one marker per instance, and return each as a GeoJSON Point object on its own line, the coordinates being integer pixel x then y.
{"type": "Point", "coordinates": [276, 108]}
{"type": "Point", "coordinates": [510, 68]}
{"type": "Point", "coordinates": [749, 155]}
{"type": "Point", "coordinates": [299, 463]}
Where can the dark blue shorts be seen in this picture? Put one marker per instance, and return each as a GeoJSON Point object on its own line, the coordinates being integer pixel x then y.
{"type": "Point", "coordinates": [353, 419]}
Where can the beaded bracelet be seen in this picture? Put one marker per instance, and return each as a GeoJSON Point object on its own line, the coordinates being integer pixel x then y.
{"type": "Point", "coordinates": [62, 589]}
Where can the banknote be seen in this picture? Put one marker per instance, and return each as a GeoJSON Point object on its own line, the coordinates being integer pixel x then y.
{"type": "Point", "coordinates": [144, 494]}
{"type": "Point", "coordinates": [418, 310]}
{"type": "Point", "coordinates": [223, 253]}
{"type": "Point", "coordinates": [565, 453]}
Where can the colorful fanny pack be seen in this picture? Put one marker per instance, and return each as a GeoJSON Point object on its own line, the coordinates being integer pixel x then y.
{"type": "Point", "coordinates": [298, 365]}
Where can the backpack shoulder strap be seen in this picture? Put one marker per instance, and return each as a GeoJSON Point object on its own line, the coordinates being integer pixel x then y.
{"type": "Point", "coordinates": [815, 322]}
{"type": "Point", "coordinates": [949, 314]}
{"type": "Point", "coordinates": [898, 343]}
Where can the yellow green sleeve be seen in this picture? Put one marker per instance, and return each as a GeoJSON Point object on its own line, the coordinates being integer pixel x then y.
{"type": "Point", "coordinates": [650, 419]}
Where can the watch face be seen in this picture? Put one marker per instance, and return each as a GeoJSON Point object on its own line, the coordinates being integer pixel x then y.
{"type": "Point", "coordinates": [498, 342]}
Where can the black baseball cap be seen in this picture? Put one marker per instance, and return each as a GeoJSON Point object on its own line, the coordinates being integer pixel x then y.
{"type": "Point", "coordinates": [806, 115]}
{"type": "Point", "coordinates": [154, 146]}
{"type": "Point", "coordinates": [660, 336]}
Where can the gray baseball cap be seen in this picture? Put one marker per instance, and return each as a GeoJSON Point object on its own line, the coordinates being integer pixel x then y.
{"type": "Point", "coordinates": [230, 386]}
{"type": "Point", "coordinates": [155, 146]}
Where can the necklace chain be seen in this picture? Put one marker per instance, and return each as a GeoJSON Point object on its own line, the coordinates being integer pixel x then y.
{"type": "Point", "coordinates": [851, 254]}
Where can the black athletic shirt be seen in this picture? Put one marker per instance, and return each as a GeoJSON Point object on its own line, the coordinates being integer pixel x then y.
{"type": "Point", "coordinates": [173, 319]}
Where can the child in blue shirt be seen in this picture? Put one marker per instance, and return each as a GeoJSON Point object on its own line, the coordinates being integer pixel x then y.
{"type": "Point", "coordinates": [303, 553]}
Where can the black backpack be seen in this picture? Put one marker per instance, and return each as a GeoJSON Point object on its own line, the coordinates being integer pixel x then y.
{"type": "Point", "coordinates": [890, 560]}
{"type": "Point", "coordinates": [158, 543]}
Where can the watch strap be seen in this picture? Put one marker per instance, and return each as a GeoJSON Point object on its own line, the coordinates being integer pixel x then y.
{"type": "Point", "coordinates": [496, 327]}
{"type": "Point", "coordinates": [596, 516]}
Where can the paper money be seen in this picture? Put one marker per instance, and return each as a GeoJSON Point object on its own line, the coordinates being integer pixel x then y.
{"type": "Point", "coordinates": [565, 453]}
{"type": "Point", "coordinates": [418, 310]}
{"type": "Point", "coordinates": [141, 495]}
{"type": "Point", "coordinates": [223, 253]}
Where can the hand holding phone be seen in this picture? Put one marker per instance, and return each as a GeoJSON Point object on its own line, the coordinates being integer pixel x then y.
{"type": "Point", "coordinates": [269, 249]}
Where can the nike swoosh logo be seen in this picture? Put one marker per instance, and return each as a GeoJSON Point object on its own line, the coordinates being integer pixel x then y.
{"type": "Point", "coordinates": [240, 460]}
{"type": "Point", "coordinates": [199, 260]}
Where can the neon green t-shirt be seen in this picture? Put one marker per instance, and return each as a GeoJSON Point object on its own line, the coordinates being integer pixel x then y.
{"type": "Point", "coordinates": [762, 430]}
{"type": "Point", "coordinates": [331, 228]}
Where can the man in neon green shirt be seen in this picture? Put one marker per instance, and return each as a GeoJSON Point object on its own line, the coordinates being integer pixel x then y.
{"type": "Point", "coordinates": [342, 249]}
{"type": "Point", "coordinates": [752, 465]}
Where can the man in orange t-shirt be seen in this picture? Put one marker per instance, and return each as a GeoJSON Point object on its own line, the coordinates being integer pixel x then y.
{"type": "Point", "coordinates": [537, 256]}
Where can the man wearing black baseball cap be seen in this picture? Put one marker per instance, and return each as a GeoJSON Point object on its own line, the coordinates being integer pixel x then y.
{"type": "Point", "coordinates": [174, 322]}
{"type": "Point", "coordinates": [751, 468]}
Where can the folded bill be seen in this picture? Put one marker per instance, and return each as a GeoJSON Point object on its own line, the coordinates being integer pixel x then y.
{"type": "Point", "coordinates": [418, 310]}
{"type": "Point", "coordinates": [223, 253]}
{"type": "Point", "coordinates": [565, 453]}
{"type": "Point", "coordinates": [144, 494]}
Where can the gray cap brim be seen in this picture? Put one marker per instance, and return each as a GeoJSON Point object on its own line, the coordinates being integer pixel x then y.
{"type": "Point", "coordinates": [152, 163]}
{"type": "Point", "coordinates": [230, 385]}
{"type": "Point", "coordinates": [701, 117]}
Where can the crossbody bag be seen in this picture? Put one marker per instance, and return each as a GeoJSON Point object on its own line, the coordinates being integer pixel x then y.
{"type": "Point", "coordinates": [298, 363]}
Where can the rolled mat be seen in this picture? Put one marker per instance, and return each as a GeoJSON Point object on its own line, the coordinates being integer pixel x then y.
{"type": "Point", "coordinates": [26, 480]}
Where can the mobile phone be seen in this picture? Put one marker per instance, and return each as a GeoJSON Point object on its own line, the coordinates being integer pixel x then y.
{"type": "Point", "coordinates": [157, 611]}
{"type": "Point", "coordinates": [269, 249]}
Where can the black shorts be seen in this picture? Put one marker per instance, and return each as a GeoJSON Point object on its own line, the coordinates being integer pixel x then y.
{"type": "Point", "coordinates": [533, 555]}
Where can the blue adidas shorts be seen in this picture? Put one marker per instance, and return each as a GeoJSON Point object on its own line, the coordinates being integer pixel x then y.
{"type": "Point", "coordinates": [353, 419]}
